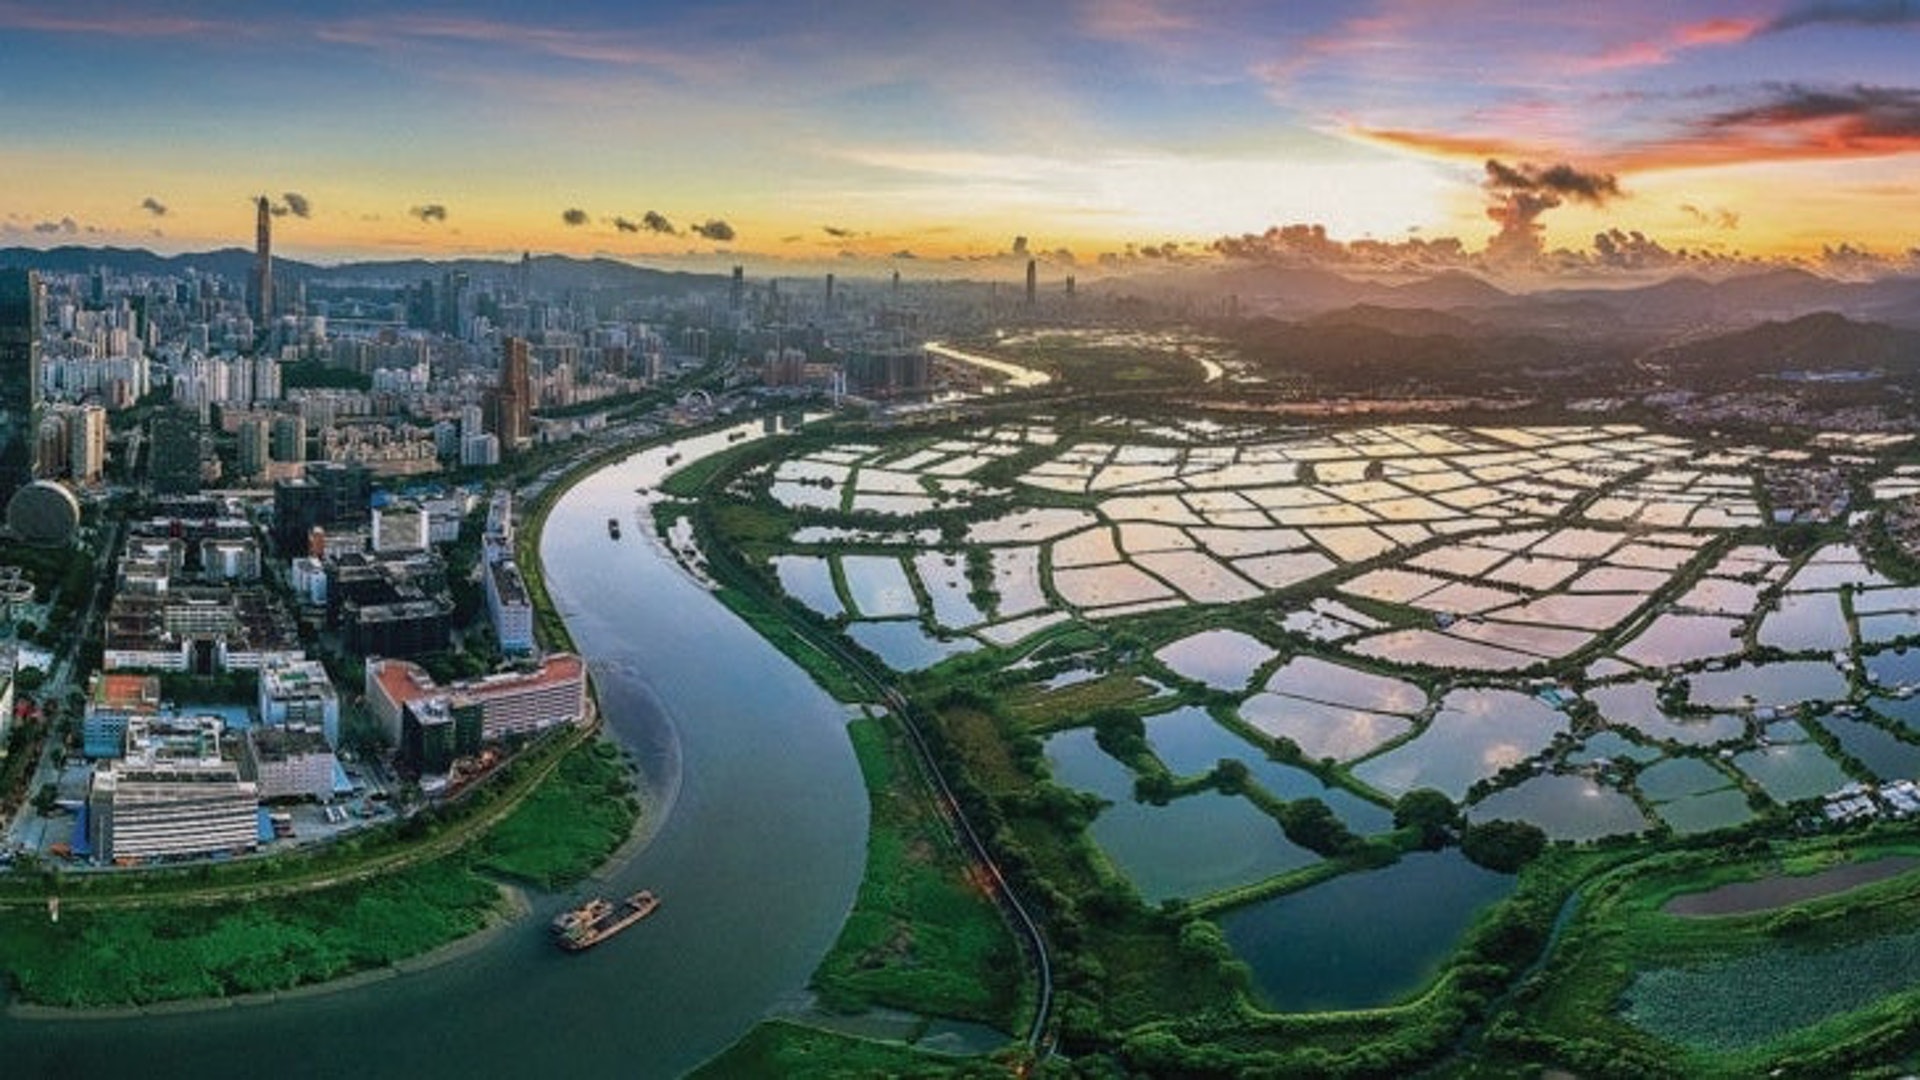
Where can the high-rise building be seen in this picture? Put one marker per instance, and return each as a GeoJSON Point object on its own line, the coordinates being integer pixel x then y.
{"type": "Point", "coordinates": [737, 293]}
{"type": "Point", "coordinates": [1033, 281]}
{"type": "Point", "coordinates": [255, 442]}
{"type": "Point", "coordinates": [512, 398]}
{"type": "Point", "coordinates": [331, 495]}
{"type": "Point", "coordinates": [51, 445]}
{"type": "Point", "coordinates": [262, 283]}
{"type": "Point", "coordinates": [289, 437]}
{"type": "Point", "coordinates": [87, 443]}
{"type": "Point", "coordinates": [453, 298]}
{"type": "Point", "coordinates": [22, 309]}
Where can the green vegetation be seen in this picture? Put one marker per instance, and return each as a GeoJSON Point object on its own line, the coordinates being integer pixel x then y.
{"type": "Point", "coordinates": [824, 669]}
{"type": "Point", "coordinates": [1428, 814]}
{"type": "Point", "coordinates": [1042, 709]}
{"type": "Point", "coordinates": [1155, 990]}
{"type": "Point", "coordinates": [1749, 1000]}
{"type": "Point", "coordinates": [118, 956]}
{"type": "Point", "coordinates": [405, 888]}
{"type": "Point", "coordinates": [1084, 365]}
{"type": "Point", "coordinates": [558, 834]}
{"type": "Point", "coordinates": [232, 688]}
{"type": "Point", "coordinates": [312, 373]}
{"type": "Point", "coordinates": [785, 1049]}
{"type": "Point", "coordinates": [922, 936]}
{"type": "Point", "coordinates": [1814, 988]}
{"type": "Point", "coordinates": [1505, 846]}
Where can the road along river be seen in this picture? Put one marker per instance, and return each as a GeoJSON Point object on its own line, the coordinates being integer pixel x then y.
{"type": "Point", "coordinates": [756, 853]}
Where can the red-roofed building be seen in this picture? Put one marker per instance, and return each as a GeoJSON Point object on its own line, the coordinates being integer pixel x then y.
{"type": "Point", "coordinates": [431, 724]}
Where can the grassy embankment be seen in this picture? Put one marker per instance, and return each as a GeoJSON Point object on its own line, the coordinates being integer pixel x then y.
{"type": "Point", "coordinates": [570, 823]}
{"type": "Point", "coordinates": [797, 1052]}
{"type": "Point", "coordinates": [922, 935]}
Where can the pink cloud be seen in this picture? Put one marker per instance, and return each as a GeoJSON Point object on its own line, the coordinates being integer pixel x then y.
{"type": "Point", "coordinates": [1666, 48]}
{"type": "Point", "coordinates": [41, 18]}
{"type": "Point", "coordinates": [1142, 21]}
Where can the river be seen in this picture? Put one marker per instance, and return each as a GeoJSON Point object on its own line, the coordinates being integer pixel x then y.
{"type": "Point", "coordinates": [1018, 377]}
{"type": "Point", "coordinates": [757, 860]}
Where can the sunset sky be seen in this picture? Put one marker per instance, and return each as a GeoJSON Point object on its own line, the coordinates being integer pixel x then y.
{"type": "Point", "coordinates": [919, 134]}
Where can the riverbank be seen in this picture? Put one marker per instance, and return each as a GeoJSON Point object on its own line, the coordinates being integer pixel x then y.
{"type": "Point", "coordinates": [514, 907]}
{"type": "Point", "coordinates": [105, 956]}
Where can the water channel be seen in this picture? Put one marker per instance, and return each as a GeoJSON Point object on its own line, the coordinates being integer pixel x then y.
{"type": "Point", "coordinates": [757, 859]}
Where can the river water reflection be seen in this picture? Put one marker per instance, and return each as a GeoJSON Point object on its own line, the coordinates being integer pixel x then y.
{"type": "Point", "coordinates": [757, 860]}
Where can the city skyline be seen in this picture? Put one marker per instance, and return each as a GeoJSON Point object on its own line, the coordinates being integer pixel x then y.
{"type": "Point", "coordinates": [1104, 134]}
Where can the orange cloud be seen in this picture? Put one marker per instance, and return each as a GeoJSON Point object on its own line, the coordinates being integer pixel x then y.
{"type": "Point", "coordinates": [1789, 123]}
{"type": "Point", "coordinates": [1454, 147]}
{"type": "Point", "coordinates": [1665, 49]}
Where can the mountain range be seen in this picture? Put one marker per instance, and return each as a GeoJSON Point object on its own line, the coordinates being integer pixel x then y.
{"type": "Point", "coordinates": [553, 272]}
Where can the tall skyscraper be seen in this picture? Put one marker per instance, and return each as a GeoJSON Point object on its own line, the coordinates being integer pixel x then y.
{"type": "Point", "coordinates": [1033, 281]}
{"type": "Point", "coordinates": [512, 398]}
{"type": "Point", "coordinates": [737, 293]}
{"type": "Point", "coordinates": [22, 309]}
{"type": "Point", "coordinates": [262, 284]}
{"type": "Point", "coordinates": [829, 292]}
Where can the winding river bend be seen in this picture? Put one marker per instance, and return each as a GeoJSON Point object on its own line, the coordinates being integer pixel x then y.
{"type": "Point", "coordinates": [757, 855]}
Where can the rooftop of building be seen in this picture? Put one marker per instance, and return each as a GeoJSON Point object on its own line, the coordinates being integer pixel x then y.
{"type": "Point", "coordinates": [303, 677]}
{"type": "Point", "coordinates": [508, 582]}
{"type": "Point", "coordinates": [404, 681]}
{"type": "Point", "coordinates": [273, 743]}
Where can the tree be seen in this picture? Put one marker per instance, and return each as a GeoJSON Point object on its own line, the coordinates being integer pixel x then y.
{"type": "Point", "coordinates": [1230, 776]}
{"type": "Point", "coordinates": [1505, 846]}
{"type": "Point", "coordinates": [1429, 813]}
{"type": "Point", "coordinates": [1312, 824]}
{"type": "Point", "coordinates": [1120, 733]}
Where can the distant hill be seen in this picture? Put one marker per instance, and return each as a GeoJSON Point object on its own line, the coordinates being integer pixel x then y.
{"type": "Point", "coordinates": [553, 273]}
{"type": "Point", "coordinates": [1406, 321]}
{"type": "Point", "coordinates": [73, 259]}
{"type": "Point", "coordinates": [1452, 289]}
{"type": "Point", "coordinates": [1821, 343]}
{"type": "Point", "coordinates": [1369, 349]}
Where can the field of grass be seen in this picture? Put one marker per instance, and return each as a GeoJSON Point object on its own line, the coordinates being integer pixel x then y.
{"type": "Point", "coordinates": [100, 957]}
{"type": "Point", "coordinates": [796, 1052]}
{"type": "Point", "coordinates": [565, 828]}
{"type": "Point", "coordinates": [1043, 709]}
{"type": "Point", "coordinates": [922, 935]}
